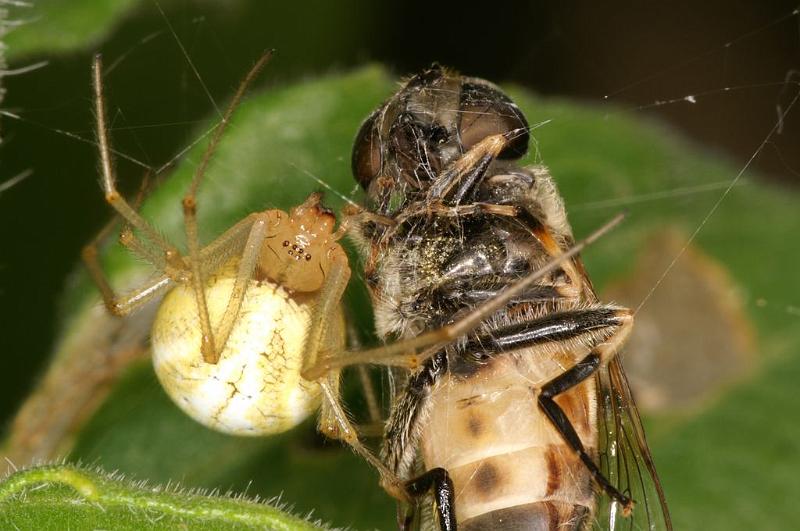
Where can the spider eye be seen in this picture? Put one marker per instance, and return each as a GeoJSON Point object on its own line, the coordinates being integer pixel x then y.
{"type": "Point", "coordinates": [486, 111]}
{"type": "Point", "coordinates": [367, 158]}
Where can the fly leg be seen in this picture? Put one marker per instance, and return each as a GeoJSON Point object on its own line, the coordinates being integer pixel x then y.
{"type": "Point", "coordinates": [603, 328]}
{"type": "Point", "coordinates": [437, 480]}
{"type": "Point", "coordinates": [456, 182]}
{"type": "Point", "coordinates": [404, 353]}
{"type": "Point", "coordinates": [603, 350]}
{"type": "Point", "coordinates": [401, 440]}
{"type": "Point", "coordinates": [563, 382]}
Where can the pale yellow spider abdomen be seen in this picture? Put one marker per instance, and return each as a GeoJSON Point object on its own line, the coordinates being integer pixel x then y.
{"type": "Point", "coordinates": [256, 387]}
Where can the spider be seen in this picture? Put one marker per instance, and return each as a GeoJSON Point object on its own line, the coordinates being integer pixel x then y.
{"type": "Point", "coordinates": [245, 317]}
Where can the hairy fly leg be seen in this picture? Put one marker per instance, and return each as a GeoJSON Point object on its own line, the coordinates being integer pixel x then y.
{"type": "Point", "coordinates": [438, 481]}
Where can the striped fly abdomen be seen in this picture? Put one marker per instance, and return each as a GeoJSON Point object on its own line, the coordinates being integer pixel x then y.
{"type": "Point", "coordinates": [510, 468]}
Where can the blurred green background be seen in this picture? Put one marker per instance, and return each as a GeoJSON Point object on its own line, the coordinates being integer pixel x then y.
{"type": "Point", "coordinates": [715, 461]}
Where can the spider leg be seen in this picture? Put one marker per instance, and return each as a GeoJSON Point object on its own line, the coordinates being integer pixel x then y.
{"type": "Point", "coordinates": [365, 381]}
{"type": "Point", "coordinates": [112, 195]}
{"type": "Point", "coordinates": [208, 347]}
{"type": "Point", "coordinates": [245, 240]}
{"type": "Point", "coordinates": [330, 295]}
{"type": "Point", "coordinates": [335, 424]}
{"type": "Point", "coordinates": [333, 421]}
{"type": "Point", "coordinates": [255, 228]}
{"type": "Point", "coordinates": [124, 305]}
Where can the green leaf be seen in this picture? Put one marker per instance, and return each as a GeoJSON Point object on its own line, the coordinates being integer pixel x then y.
{"type": "Point", "coordinates": [49, 26]}
{"type": "Point", "coordinates": [41, 497]}
{"type": "Point", "coordinates": [595, 154]}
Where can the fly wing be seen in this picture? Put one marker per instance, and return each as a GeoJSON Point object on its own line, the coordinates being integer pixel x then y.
{"type": "Point", "coordinates": [625, 459]}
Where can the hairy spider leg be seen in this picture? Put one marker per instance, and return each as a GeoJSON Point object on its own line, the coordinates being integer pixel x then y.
{"type": "Point", "coordinates": [212, 347]}
{"type": "Point", "coordinates": [244, 237]}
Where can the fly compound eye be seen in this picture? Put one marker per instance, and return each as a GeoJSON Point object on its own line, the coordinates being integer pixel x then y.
{"type": "Point", "coordinates": [486, 111]}
{"type": "Point", "coordinates": [367, 159]}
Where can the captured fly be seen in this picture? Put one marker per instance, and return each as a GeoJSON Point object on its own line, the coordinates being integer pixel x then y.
{"type": "Point", "coordinates": [526, 421]}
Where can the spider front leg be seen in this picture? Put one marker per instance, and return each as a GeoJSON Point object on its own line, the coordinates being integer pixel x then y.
{"type": "Point", "coordinates": [171, 264]}
{"type": "Point", "coordinates": [333, 421]}
{"type": "Point", "coordinates": [117, 305]}
{"type": "Point", "coordinates": [210, 350]}
{"type": "Point", "coordinates": [112, 195]}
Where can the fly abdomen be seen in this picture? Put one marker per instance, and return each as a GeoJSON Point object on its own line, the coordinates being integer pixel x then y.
{"type": "Point", "coordinates": [537, 478]}
{"type": "Point", "coordinates": [509, 466]}
{"type": "Point", "coordinates": [540, 516]}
